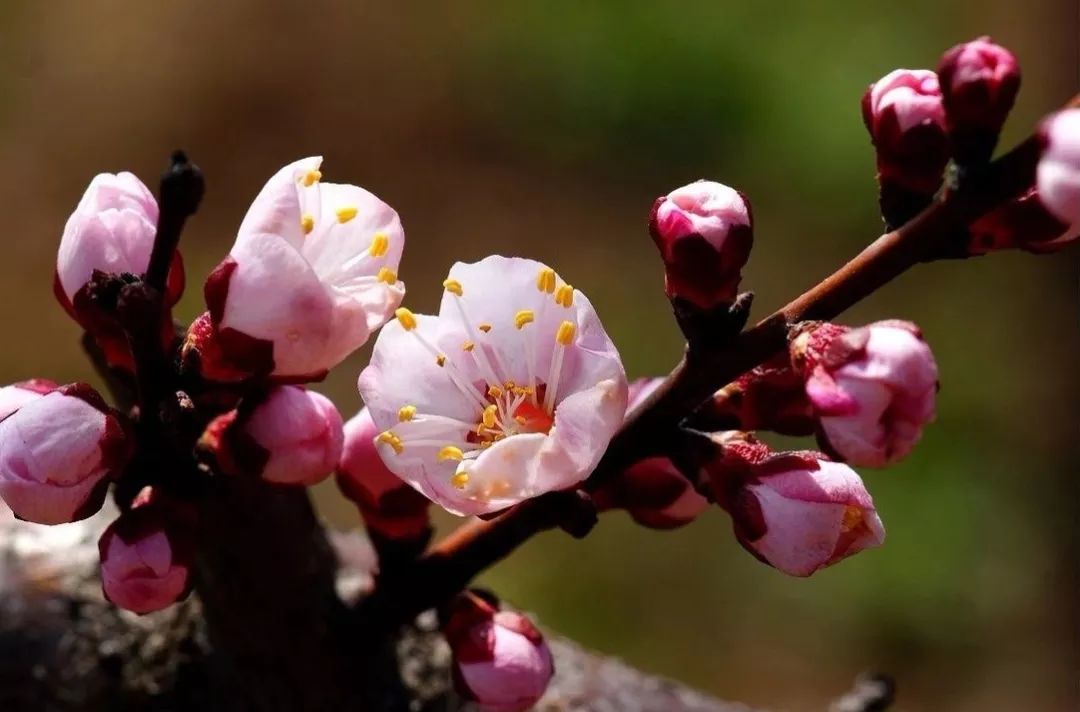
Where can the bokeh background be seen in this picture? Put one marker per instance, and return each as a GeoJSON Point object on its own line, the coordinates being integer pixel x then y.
{"type": "Point", "coordinates": [546, 128]}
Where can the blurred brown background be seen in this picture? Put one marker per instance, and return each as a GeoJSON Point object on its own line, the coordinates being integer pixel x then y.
{"type": "Point", "coordinates": [546, 129]}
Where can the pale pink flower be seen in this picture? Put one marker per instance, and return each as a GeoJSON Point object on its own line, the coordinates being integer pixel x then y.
{"type": "Point", "coordinates": [797, 512]}
{"type": "Point", "coordinates": [390, 507]}
{"type": "Point", "coordinates": [904, 114]}
{"type": "Point", "coordinates": [704, 232]}
{"type": "Point", "coordinates": [513, 390]}
{"type": "Point", "coordinates": [58, 454]}
{"type": "Point", "coordinates": [17, 395]}
{"type": "Point", "coordinates": [289, 436]}
{"type": "Point", "coordinates": [146, 556]}
{"type": "Point", "coordinates": [1058, 173]}
{"type": "Point", "coordinates": [111, 231]}
{"type": "Point", "coordinates": [873, 389]}
{"type": "Point", "coordinates": [979, 82]}
{"type": "Point", "coordinates": [500, 659]}
{"type": "Point", "coordinates": [312, 274]}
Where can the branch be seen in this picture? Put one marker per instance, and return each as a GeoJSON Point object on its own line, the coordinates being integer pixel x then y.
{"type": "Point", "coordinates": [652, 428]}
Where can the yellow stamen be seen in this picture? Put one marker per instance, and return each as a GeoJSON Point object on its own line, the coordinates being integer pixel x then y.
{"type": "Point", "coordinates": [389, 438]}
{"type": "Point", "coordinates": [489, 415]}
{"type": "Point", "coordinates": [565, 296]}
{"type": "Point", "coordinates": [387, 275]}
{"type": "Point", "coordinates": [460, 479]}
{"type": "Point", "coordinates": [545, 281]}
{"type": "Point", "coordinates": [345, 214]}
{"type": "Point", "coordinates": [441, 360]}
{"type": "Point", "coordinates": [307, 222]}
{"type": "Point", "coordinates": [310, 178]}
{"type": "Point", "coordinates": [485, 328]}
{"type": "Point", "coordinates": [521, 420]}
{"type": "Point", "coordinates": [380, 243]}
{"type": "Point", "coordinates": [565, 334]}
{"type": "Point", "coordinates": [406, 413]}
{"type": "Point", "coordinates": [523, 317]}
{"type": "Point", "coordinates": [453, 286]}
{"type": "Point", "coordinates": [495, 391]}
{"type": "Point", "coordinates": [406, 318]}
{"type": "Point", "coordinates": [450, 453]}
{"type": "Point", "coordinates": [468, 346]}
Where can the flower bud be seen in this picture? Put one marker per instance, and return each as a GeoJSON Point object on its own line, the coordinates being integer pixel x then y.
{"type": "Point", "coordinates": [1023, 223]}
{"type": "Point", "coordinates": [1058, 172]}
{"type": "Point", "coordinates": [290, 436]}
{"type": "Point", "coordinates": [979, 82]}
{"type": "Point", "coordinates": [58, 453]}
{"type": "Point", "coordinates": [905, 116]}
{"type": "Point", "coordinates": [704, 232]}
{"type": "Point", "coordinates": [872, 388]}
{"type": "Point", "coordinates": [111, 233]}
{"type": "Point", "coordinates": [770, 397]}
{"type": "Point", "coordinates": [654, 493]}
{"type": "Point", "coordinates": [17, 395]}
{"type": "Point", "coordinates": [146, 555]}
{"type": "Point", "coordinates": [389, 506]}
{"type": "Point", "coordinates": [500, 659]}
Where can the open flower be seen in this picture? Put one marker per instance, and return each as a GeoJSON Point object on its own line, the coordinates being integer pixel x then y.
{"type": "Point", "coordinates": [111, 232]}
{"type": "Point", "coordinates": [513, 390]}
{"type": "Point", "coordinates": [312, 274]}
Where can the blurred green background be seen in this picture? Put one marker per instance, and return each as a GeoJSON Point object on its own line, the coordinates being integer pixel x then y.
{"type": "Point", "coordinates": [546, 129]}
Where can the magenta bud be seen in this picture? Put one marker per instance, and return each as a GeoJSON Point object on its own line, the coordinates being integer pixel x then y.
{"type": "Point", "coordinates": [905, 116]}
{"type": "Point", "coordinates": [1058, 172]}
{"type": "Point", "coordinates": [58, 453]}
{"type": "Point", "coordinates": [146, 555]}
{"type": "Point", "coordinates": [704, 232]}
{"type": "Point", "coordinates": [389, 506]}
{"type": "Point", "coordinates": [769, 397]}
{"type": "Point", "coordinates": [873, 389]}
{"type": "Point", "coordinates": [291, 436]}
{"type": "Point", "coordinates": [500, 659]}
{"type": "Point", "coordinates": [797, 512]}
{"type": "Point", "coordinates": [1023, 223]}
{"type": "Point", "coordinates": [654, 493]}
{"type": "Point", "coordinates": [979, 83]}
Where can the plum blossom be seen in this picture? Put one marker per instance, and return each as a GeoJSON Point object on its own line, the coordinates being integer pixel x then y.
{"type": "Point", "coordinates": [58, 453]}
{"type": "Point", "coordinates": [312, 274]}
{"type": "Point", "coordinates": [389, 506]}
{"type": "Point", "coordinates": [513, 390]}
{"type": "Point", "coordinates": [704, 232]}
{"type": "Point", "coordinates": [17, 395]}
{"type": "Point", "coordinates": [979, 82]}
{"type": "Point", "coordinates": [1058, 173]}
{"type": "Point", "coordinates": [111, 232]}
{"type": "Point", "coordinates": [873, 388]}
{"type": "Point", "coordinates": [500, 659]}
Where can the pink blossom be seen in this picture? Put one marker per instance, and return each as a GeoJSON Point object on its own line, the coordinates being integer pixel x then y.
{"type": "Point", "coordinates": [58, 454]}
{"type": "Point", "coordinates": [704, 232]}
{"type": "Point", "coordinates": [501, 661]}
{"type": "Point", "coordinates": [390, 507]}
{"type": "Point", "coordinates": [872, 388]}
{"type": "Point", "coordinates": [904, 114]}
{"type": "Point", "coordinates": [17, 395]}
{"type": "Point", "coordinates": [1058, 173]}
{"type": "Point", "coordinates": [111, 232]}
{"type": "Point", "coordinates": [146, 556]}
{"type": "Point", "coordinates": [797, 512]}
{"type": "Point", "coordinates": [979, 82]}
{"type": "Point", "coordinates": [513, 390]}
{"type": "Point", "coordinates": [312, 274]}
{"type": "Point", "coordinates": [1022, 223]}
{"type": "Point", "coordinates": [289, 436]}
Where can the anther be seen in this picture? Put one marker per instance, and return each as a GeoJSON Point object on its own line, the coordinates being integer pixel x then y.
{"type": "Point", "coordinates": [453, 286]}
{"type": "Point", "coordinates": [307, 222]}
{"type": "Point", "coordinates": [545, 281]}
{"type": "Point", "coordinates": [484, 328]}
{"type": "Point", "coordinates": [345, 214]}
{"type": "Point", "coordinates": [440, 360]}
{"type": "Point", "coordinates": [406, 413]}
{"type": "Point", "coordinates": [450, 453]}
{"type": "Point", "coordinates": [495, 391]}
{"type": "Point", "coordinates": [387, 275]}
{"type": "Point", "coordinates": [565, 334]}
{"type": "Point", "coordinates": [523, 317]}
{"type": "Point", "coordinates": [310, 178]}
{"type": "Point", "coordinates": [564, 296]}
{"type": "Point", "coordinates": [468, 346]}
{"type": "Point", "coordinates": [460, 479]}
{"type": "Point", "coordinates": [406, 318]}
{"type": "Point", "coordinates": [380, 243]}
{"type": "Point", "coordinates": [489, 416]}
{"type": "Point", "coordinates": [388, 438]}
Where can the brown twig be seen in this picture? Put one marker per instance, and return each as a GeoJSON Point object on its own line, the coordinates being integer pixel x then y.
{"type": "Point", "coordinates": [653, 426]}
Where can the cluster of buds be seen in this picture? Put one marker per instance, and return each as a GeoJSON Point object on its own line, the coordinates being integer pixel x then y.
{"type": "Point", "coordinates": [500, 659]}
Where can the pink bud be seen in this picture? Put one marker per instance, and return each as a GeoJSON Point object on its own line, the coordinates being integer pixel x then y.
{"type": "Point", "coordinates": [654, 493]}
{"type": "Point", "coordinates": [291, 436]}
{"type": "Point", "coordinates": [17, 395]}
{"type": "Point", "coordinates": [979, 82]}
{"type": "Point", "coordinates": [146, 556]}
{"type": "Point", "coordinates": [501, 661]}
{"type": "Point", "coordinates": [312, 274]}
{"type": "Point", "coordinates": [1023, 223]}
{"type": "Point", "coordinates": [704, 232]}
{"type": "Point", "coordinates": [904, 114]}
{"type": "Point", "coordinates": [58, 453]}
{"type": "Point", "coordinates": [872, 388]}
{"type": "Point", "coordinates": [390, 507]}
{"type": "Point", "coordinates": [111, 232]}
{"type": "Point", "coordinates": [1058, 173]}
{"type": "Point", "coordinates": [769, 397]}
{"type": "Point", "coordinates": [798, 512]}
